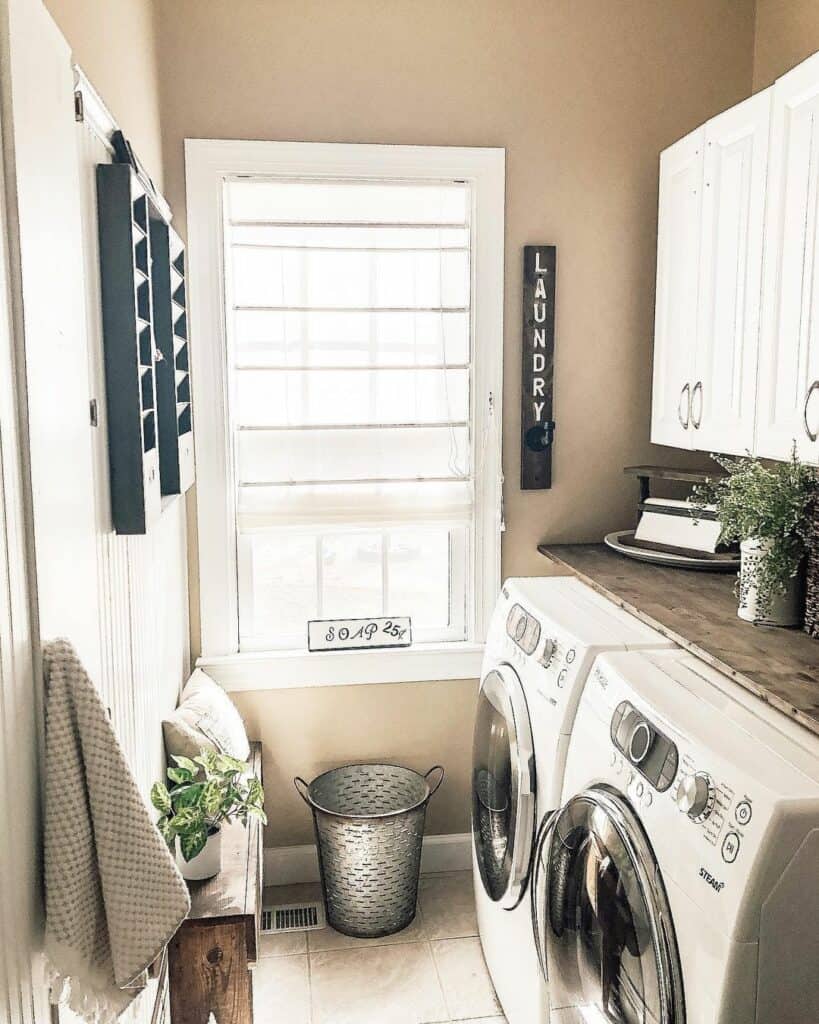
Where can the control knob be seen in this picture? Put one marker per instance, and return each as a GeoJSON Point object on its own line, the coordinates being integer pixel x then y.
{"type": "Point", "coordinates": [549, 647]}
{"type": "Point", "coordinates": [695, 796]}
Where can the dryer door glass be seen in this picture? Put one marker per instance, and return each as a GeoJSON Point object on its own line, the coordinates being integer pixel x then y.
{"type": "Point", "coordinates": [502, 787]}
{"type": "Point", "coordinates": [610, 945]}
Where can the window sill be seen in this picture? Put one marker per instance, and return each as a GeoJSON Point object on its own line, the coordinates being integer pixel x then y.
{"type": "Point", "coordinates": [293, 670]}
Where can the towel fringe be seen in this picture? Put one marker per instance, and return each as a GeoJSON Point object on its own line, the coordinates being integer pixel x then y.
{"type": "Point", "coordinates": [87, 992]}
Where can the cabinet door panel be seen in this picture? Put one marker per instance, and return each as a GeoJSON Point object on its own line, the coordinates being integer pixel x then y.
{"type": "Point", "coordinates": [675, 328]}
{"type": "Point", "coordinates": [789, 347]}
{"type": "Point", "coordinates": [733, 210]}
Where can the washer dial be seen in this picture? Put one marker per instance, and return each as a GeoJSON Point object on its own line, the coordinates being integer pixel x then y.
{"type": "Point", "coordinates": [549, 648]}
{"type": "Point", "coordinates": [695, 795]}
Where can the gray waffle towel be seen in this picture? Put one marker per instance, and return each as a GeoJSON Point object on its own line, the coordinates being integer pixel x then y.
{"type": "Point", "coordinates": [114, 896]}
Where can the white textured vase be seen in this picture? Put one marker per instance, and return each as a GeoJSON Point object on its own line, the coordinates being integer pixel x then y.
{"type": "Point", "coordinates": [207, 863]}
{"type": "Point", "coordinates": [785, 609]}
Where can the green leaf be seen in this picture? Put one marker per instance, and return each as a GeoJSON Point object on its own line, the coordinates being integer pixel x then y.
{"type": "Point", "coordinates": [188, 796]}
{"type": "Point", "coordinates": [211, 798]}
{"type": "Point", "coordinates": [180, 776]}
{"type": "Point", "coordinates": [257, 812]}
{"type": "Point", "coordinates": [187, 820]}
{"type": "Point", "coordinates": [168, 833]}
{"type": "Point", "coordinates": [193, 843]}
{"type": "Point", "coordinates": [186, 763]}
{"type": "Point", "coordinates": [255, 793]}
{"type": "Point", "coordinates": [207, 759]}
{"type": "Point", "coordinates": [227, 764]}
{"type": "Point", "coordinates": [160, 798]}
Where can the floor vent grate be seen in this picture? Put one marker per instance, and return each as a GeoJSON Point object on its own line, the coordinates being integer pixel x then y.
{"type": "Point", "coordinates": [293, 917]}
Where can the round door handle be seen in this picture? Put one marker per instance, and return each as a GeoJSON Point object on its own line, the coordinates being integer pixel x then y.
{"type": "Point", "coordinates": [812, 434]}
{"type": "Point", "coordinates": [684, 392]}
{"type": "Point", "coordinates": [695, 423]}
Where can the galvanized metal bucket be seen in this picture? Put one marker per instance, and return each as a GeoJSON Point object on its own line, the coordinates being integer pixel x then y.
{"type": "Point", "coordinates": [369, 822]}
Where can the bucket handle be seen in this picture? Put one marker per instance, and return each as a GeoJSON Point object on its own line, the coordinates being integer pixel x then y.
{"type": "Point", "coordinates": [435, 768]}
{"type": "Point", "coordinates": [303, 790]}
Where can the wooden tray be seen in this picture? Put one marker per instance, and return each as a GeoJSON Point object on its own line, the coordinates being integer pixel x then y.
{"type": "Point", "coordinates": [622, 541]}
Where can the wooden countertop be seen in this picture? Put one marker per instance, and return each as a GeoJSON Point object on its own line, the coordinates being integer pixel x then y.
{"type": "Point", "coordinates": [698, 610]}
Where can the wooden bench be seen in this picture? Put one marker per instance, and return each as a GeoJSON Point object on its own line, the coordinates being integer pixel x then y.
{"type": "Point", "coordinates": [210, 957]}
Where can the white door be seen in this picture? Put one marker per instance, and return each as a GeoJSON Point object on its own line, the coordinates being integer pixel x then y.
{"type": "Point", "coordinates": [723, 394]}
{"type": "Point", "coordinates": [675, 327]}
{"type": "Point", "coordinates": [788, 404]}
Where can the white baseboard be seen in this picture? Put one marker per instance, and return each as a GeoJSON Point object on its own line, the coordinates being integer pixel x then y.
{"type": "Point", "coordinates": [287, 865]}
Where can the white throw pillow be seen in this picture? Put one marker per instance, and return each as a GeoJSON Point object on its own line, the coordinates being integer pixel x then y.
{"type": "Point", "coordinates": [206, 719]}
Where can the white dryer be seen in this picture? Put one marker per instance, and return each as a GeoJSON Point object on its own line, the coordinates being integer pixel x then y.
{"type": "Point", "coordinates": [544, 636]}
{"type": "Point", "coordinates": [679, 883]}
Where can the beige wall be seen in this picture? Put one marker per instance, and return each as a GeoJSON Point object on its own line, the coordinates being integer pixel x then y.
{"type": "Point", "coordinates": [787, 31]}
{"type": "Point", "coordinates": [306, 732]}
{"type": "Point", "coordinates": [583, 96]}
{"type": "Point", "coordinates": [113, 42]}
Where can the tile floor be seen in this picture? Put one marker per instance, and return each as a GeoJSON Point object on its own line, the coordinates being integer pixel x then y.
{"type": "Point", "coordinates": [431, 973]}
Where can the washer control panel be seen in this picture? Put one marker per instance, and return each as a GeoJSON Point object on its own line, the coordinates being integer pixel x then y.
{"type": "Point", "coordinates": [723, 815]}
{"type": "Point", "coordinates": [649, 750]}
{"type": "Point", "coordinates": [523, 628]}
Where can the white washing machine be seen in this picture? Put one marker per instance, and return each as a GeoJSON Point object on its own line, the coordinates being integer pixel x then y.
{"type": "Point", "coordinates": [544, 636]}
{"type": "Point", "coordinates": [679, 883]}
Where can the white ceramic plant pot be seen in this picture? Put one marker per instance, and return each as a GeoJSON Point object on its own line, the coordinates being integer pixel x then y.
{"type": "Point", "coordinates": [785, 609]}
{"type": "Point", "coordinates": [207, 863]}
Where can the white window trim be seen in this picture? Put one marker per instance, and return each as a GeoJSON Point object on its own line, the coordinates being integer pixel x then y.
{"type": "Point", "coordinates": [208, 163]}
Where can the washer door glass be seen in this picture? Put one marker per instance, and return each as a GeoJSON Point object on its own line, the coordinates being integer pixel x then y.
{"type": "Point", "coordinates": [503, 787]}
{"type": "Point", "coordinates": [610, 944]}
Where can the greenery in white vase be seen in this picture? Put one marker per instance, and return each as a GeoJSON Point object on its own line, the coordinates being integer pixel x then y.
{"type": "Point", "coordinates": [755, 501]}
{"type": "Point", "coordinates": [206, 791]}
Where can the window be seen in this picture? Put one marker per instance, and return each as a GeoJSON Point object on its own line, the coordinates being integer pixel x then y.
{"type": "Point", "coordinates": [346, 373]}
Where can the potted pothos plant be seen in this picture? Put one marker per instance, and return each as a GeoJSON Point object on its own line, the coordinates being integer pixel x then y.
{"type": "Point", "coordinates": [206, 792]}
{"type": "Point", "coordinates": [765, 507]}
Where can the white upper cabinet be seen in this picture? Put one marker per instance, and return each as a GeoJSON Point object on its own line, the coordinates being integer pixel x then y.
{"type": "Point", "coordinates": [723, 385]}
{"type": "Point", "coordinates": [678, 255]}
{"type": "Point", "coordinates": [788, 393]}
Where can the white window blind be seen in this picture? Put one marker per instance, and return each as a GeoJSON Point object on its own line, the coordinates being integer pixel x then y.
{"type": "Point", "coordinates": [349, 325]}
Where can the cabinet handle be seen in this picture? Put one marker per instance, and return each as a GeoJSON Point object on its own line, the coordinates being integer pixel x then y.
{"type": "Point", "coordinates": [695, 423]}
{"type": "Point", "coordinates": [686, 391]}
{"type": "Point", "coordinates": [811, 433]}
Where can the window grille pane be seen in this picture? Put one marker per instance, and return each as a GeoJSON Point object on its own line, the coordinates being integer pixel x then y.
{"type": "Point", "coordinates": [331, 397]}
{"type": "Point", "coordinates": [387, 454]}
{"type": "Point", "coordinates": [365, 503]}
{"type": "Point", "coordinates": [265, 338]}
{"type": "Point", "coordinates": [350, 280]}
{"type": "Point", "coordinates": [298, 236]}
{"type": "Point", "coordinates": [347, 202]}
{"type": "Point", "coordinates": [351, 575]}
{"type": "Point", "coordinates": [419, 571]}
{"type": "Point", "coordinates": [280, 584]}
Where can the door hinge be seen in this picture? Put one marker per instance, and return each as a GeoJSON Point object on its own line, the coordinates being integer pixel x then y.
{"type": "Point", "coordinates": [93, 414]}
{"type": "Point", "coordinates": [79, 110]}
